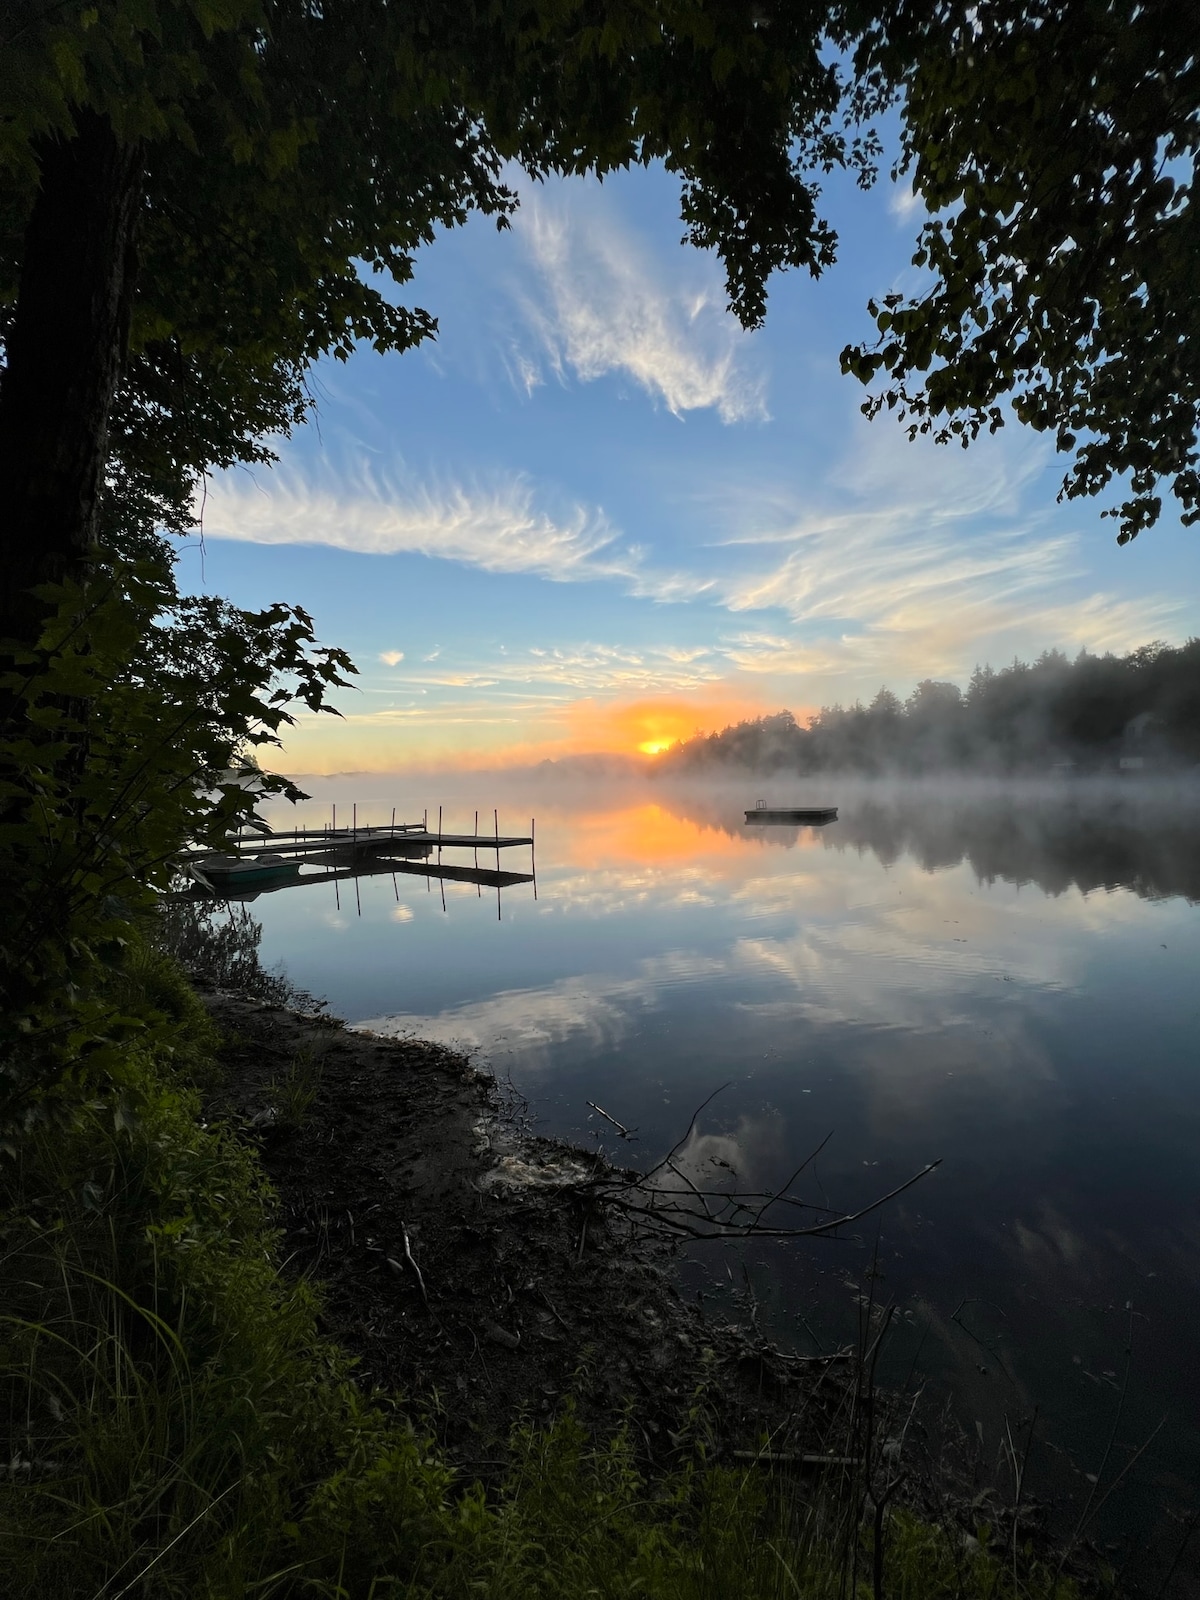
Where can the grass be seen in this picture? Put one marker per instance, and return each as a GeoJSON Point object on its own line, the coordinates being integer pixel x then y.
{"type": "Point", "coordinates": [175, 1426]}
{"type": "Point", "coordinates": [291, 1096]}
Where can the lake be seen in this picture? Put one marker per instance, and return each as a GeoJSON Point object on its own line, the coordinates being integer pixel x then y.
{"type": "Point", "coordinates": [1007, 981]}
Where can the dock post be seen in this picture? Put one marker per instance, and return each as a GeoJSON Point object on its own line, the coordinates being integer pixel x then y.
{"type": "Point", "coordinates": [496, 818]}
{"type": "Point", "coordinates": [478, 886]}
{"type": "Point", "coordinates": [533, 853]}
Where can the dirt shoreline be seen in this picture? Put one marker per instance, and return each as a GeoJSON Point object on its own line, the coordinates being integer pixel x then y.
{"type": "Point", "coordinates": [456, 1266]}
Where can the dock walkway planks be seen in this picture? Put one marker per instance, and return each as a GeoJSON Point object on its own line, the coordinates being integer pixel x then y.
{"type": "Point", "coordinates": [318, 841]}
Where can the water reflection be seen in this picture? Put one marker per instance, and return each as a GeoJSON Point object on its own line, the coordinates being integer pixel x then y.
{"type": "Point", "coordinates": [1007, 982]}
{"type": "Point", "coordinates": [1079, 836]}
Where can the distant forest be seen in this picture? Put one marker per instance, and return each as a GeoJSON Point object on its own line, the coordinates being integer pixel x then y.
{"type": "Point", "coordinates": [1096, 713]}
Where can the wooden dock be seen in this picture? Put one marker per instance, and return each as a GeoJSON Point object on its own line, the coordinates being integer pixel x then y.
{"type": "Point", "coordinates": [405, 838]}
{"type": "Point", "coordinates": [263, 860]}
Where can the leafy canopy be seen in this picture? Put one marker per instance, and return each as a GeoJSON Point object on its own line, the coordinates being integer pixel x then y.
{"type": "Point", "coordinates": [1055, 146]}
{"type": "Point", "coordinates": [299, 152]}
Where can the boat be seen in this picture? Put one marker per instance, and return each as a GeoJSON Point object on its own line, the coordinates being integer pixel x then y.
{"type": "Point", "coordinates": [230, 870]}
{"type": "Point", "coordinates": [793, 815]}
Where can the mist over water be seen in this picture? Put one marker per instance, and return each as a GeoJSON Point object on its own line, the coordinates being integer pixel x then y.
{"type": "Point", "coordinates": [1000, 976]}
{"type": "Point", "coordinates": [1059, 834]}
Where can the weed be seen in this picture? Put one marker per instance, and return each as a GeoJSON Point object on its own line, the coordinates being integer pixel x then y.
{"type": "Point", "coordinates": [291, 1097]}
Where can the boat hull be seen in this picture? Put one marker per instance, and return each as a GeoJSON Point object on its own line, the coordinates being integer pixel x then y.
{"type": "Point", "coordinates": [230, 870]}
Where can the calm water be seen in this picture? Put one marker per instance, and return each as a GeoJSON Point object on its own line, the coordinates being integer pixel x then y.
{"type": "Point", "coordinates": [1008, 983]}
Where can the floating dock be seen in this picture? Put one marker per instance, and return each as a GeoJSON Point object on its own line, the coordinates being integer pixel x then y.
{"type": "Point", "coordinates": [814, 816]}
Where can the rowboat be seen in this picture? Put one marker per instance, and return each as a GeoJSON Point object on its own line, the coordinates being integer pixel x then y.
{"type": "Point", "coordinates": [239, 870]}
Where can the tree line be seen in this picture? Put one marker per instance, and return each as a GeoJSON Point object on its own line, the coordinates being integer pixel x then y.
{"type": "Point", "coordinates": [1139, 711]}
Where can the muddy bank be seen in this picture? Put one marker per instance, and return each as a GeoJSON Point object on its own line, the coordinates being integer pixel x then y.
{"type": "Point", "coordinates": [463, 1272]}
{"type": "Point", "coordinates": [461, 1268]}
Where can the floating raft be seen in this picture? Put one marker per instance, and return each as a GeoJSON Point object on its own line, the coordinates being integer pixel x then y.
{"type": "Point", "coordinates": [793, 815]}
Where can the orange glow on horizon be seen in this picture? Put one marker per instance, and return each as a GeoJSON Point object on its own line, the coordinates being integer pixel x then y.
{"type": "Point", "coordinates": [649, 726]}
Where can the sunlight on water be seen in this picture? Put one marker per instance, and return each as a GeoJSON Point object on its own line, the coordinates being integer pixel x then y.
{"type": "Point", "coordinates": [1008, 983]}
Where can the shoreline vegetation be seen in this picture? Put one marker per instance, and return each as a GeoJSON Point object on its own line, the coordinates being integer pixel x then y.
{"type": "Point", "coordinates": [294, 1310]}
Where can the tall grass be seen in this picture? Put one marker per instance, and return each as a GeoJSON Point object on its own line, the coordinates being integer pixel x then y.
{"type": "Point", "coordinates": [175, 1426]}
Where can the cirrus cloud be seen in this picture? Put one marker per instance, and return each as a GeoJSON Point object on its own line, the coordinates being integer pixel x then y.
{"type": "Point", "coordinates": [606, 309]}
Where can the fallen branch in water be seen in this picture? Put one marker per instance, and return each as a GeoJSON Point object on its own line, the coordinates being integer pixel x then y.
{"type": "Point", "coordinates": [684, 1209]}
{"type": "Point", "coordinates": [726, 1215]}
{"type": "Point", "coordinates": [626, 1133]}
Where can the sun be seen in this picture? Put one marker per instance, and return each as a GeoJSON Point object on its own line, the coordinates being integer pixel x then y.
{"type": "Point", "coordinates": [654, 725]}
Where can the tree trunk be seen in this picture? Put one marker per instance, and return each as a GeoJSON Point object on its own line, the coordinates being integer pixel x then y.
{"type": "Point", "coordinates": [63, 361]}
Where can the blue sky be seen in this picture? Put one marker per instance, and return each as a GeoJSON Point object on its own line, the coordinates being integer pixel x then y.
{"type": "Point", "coordinates": [595, 514]}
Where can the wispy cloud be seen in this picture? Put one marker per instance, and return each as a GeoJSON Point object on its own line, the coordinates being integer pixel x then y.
{"type": "Point", "coordinates": [607, 309]}
{"type": "Point", "coordinates": [903, 203]}
{"type": "Point", "coordinates": [930, 561]}
{"type": "Point", "coordinates": [497, 526]}
{"type": "Point", "coordinates": [906, 561]}
{"type": "Point", "coordinates": [590, 669]}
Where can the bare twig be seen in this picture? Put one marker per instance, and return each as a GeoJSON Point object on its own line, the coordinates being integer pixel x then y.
{"type": "Point", "coordinates": [679, 1143]}
{"type": "Point", "coordinates": [788, 1458]}
{"type": "Point", "coordinates": [626, 1133]}
{"type": "Point", "coordinates": [725, 1216]}
{"type": "Point", "coordinates": [410, 1262]}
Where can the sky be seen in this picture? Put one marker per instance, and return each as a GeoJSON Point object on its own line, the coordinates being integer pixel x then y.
{"type": "Point", "coordinates": [596, 515]}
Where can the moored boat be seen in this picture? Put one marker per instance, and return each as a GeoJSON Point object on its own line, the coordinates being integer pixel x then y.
{"type": "Point", "coordinates": [218, 869]}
